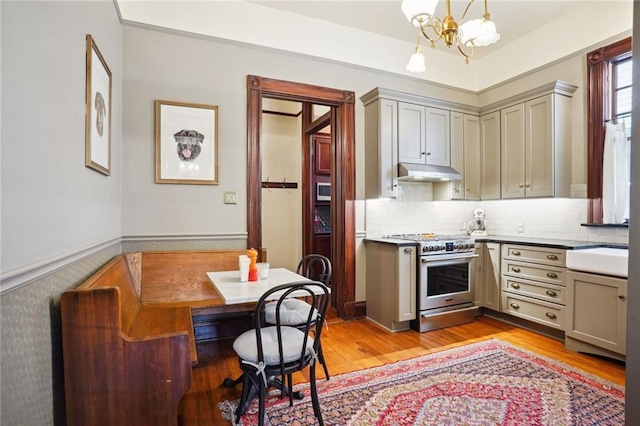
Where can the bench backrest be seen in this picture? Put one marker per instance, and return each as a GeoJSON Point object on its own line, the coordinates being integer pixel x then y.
{"type": "Point", "coordinates": [116, 274]}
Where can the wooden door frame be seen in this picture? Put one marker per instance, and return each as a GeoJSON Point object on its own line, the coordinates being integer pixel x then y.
{"type": "Point", "coordinates": [343, 165]}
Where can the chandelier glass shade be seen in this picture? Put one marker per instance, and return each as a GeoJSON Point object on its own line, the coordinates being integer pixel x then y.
{"type": "Point", "coordinates": [466, 36]}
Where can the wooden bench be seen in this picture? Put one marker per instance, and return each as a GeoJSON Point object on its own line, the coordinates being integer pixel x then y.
{"type": "Point", "coordinates": [128, 335]}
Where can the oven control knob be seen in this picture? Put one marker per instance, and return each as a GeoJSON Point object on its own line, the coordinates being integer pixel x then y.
{"type": "Point", "coordinates": [425, 249]}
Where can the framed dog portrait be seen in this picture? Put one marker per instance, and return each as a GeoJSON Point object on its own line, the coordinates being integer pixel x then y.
{"type": "Point", "coordinates": [98, 110]}
{"type": "Point", "coordinates": [186, 143]}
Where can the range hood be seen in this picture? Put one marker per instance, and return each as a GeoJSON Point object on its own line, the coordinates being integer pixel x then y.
{"type": "Point", "coordinates": [426, 173]}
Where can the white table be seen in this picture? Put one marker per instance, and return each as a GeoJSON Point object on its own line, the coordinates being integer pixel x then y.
{"type": "Point", "coordinates": [233, 291]}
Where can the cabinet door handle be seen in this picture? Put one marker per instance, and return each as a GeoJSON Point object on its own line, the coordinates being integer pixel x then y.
{"type": "Point", "coordinates": [515, 285]}
{"type": "Point", "coordinates": [621, 296]}
{"type": "Point", "coordinates": [552, 257]}
{"type": "Point", "coordinates": [515, 306]}
{"type": "Point", "coordinates": [521, 186]}
{"type": "Point", "coordinates": [552, 293]}
{"type": "Point", "coordinates": [552, 275]}
{"type": "Point", "coordinates": [467, 188]}
{"type": "Point", "coordinates": [428, 153]}
{"type": "Point", "coordinates": [515, 253]}
{"type": "Point", "coordinates": [515, 269]}
{"type": "Point", "coordinates": [527, 185]}
{"type": "Point", "coordinates": [551, 315]}
{"type": "Point", "coordinates": [408, 250]}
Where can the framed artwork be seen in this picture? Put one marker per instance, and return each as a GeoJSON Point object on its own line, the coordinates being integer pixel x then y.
{"type": "Point", "coordinates": [186, 143]}
{"type": "Point", "coordinates": [98, 110]}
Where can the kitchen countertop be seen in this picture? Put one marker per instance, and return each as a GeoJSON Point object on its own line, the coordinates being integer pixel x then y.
{"type": "Point", "coordinates": [391, 241]}
{"type": "Point", "coordinates": [530, 241]}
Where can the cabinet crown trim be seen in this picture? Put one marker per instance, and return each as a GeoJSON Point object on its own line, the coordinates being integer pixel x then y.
{"type": "Point", "coordinates": [557, 87]}
{"type": "Point", "coordinates": [395, 95]}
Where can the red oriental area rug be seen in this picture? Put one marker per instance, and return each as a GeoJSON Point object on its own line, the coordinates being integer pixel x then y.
{"type": "Point", "coordinates": [486, 383]}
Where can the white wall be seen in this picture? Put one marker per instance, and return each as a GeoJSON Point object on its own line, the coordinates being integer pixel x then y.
{"type": "Point", "coordinates": [554, 218]}
{"type": "Point", "coordinates": [282, 208]}
{"type": "Point", "coordinates": [165, 66]}
{"type": "Point", "coordinates": [53, 205]}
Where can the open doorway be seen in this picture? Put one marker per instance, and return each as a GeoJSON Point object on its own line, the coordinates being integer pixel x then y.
{"type": "Point", "coordinates": [296, 223]}
{"type": "Point", "coordinates": [342, 178]}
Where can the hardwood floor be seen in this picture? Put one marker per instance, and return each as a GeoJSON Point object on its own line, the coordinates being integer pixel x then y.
{"type": "Point", "coordinates": [358, 344]}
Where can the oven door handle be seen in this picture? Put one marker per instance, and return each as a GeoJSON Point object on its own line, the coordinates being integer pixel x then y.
{"type": "Point", "coordinates": [447, 259]}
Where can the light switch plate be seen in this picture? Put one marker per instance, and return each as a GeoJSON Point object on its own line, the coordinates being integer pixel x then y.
{"type": "Point", "coordinates": [230, 197]}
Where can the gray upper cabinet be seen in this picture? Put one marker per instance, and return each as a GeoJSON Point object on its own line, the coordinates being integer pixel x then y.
{"type": "Point", "coordinates": [438, 140]}
{"type": "Point", "coordinates": [490, 156]}
{"type": "Point", "coordinates": [381, 139]}
{"type": "Point", "coordinates": [406, 128]}
{"type": "Point", "coordinates": [423, 135]}
{"type": "Point", "coordinates": [411, 133]}
{"type": "Point", "coordinates": [513, 157]}
{"type": "Point", "coordinates": [457, 154]}
{"type": "Point", "coordinates": [515, 148]}
{"type": "Point", "coordinates": [472, 165]}
{"type": "Point", "coordinates": [536, 145]}
{"type": "Point", "coordinates": [465, 156]}
{"type": "Point", "coordinates": [535, 142]}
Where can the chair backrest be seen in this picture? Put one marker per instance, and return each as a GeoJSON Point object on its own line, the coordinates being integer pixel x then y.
{"type": "Point", "coordinates": [316, 267]}
{"type": "Point", "coordinates": [318, 293]}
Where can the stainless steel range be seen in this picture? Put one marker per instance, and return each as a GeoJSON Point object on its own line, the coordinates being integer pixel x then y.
{"type": "Point", "coordinates": [444, 295]}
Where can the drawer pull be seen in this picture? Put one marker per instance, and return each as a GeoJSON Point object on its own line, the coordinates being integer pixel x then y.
{"type": "Point", "coordinates": [515, 269]}
{"type": "Point", "coordinates": [552, 293]}
{"type": "Point", "coordinates": [552, 257]}
{"type": "Point", "coordinates": [551, 315]}
{"type": "Point", "coordinates": [552, 275]}
{"type": "Point", "coordinates": [515, 306]}
{"type": "Point", "coordinates": [515, 253]}
{"type": "Point", "coordinates": [515, 285]}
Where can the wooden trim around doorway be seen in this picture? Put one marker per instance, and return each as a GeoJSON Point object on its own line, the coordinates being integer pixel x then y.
{"type": "Point", "coordinates": [343, 162]}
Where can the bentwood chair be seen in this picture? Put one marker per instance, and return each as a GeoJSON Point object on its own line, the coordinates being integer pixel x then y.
{"type": "Point", "coordinates": [269, 352]}
{"type": "Point", "coordinates": [294, 312]}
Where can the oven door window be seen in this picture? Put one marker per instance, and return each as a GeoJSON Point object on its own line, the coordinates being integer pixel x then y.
{"type": "Point", "coordinates": [449, 279]}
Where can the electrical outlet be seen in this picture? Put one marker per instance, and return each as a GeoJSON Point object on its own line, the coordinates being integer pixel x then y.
{"type": "Point", "coordinates": [230, 197]}
{"type": "Point", "coordinates": [521, 227]}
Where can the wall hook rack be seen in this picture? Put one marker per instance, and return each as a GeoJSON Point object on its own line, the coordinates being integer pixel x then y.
{"type": "Point", "coordinates": [279, 185]}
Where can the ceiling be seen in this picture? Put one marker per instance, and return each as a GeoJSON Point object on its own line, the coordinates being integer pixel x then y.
{"type": "Point", "coordinates": [375, 34]}
{"type": "Point", "coordinates": [513, 18]}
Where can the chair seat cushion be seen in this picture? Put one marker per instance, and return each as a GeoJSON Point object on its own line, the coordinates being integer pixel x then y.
{"type": "Point", "coordinates": [247, 349]}
{"type": "Point", "coordinates": [292, 312]}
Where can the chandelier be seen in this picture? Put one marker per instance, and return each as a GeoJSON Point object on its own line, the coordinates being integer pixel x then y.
{"type": "Point", "coordinates": [466, 36]}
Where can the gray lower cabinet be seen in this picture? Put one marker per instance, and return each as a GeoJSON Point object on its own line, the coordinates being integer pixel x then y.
{"type": "Point", "coordinates": [391, 284]}
{"type": "Point", "coordinates": [533, 284]}
{"type": "Point", "coordinates": [486, 278]}
{"type": "Point", "coordinates": [596, 314]}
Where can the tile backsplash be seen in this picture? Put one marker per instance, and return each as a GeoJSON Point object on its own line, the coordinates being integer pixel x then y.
{"type": "Point", "coordinates": [556, 218]}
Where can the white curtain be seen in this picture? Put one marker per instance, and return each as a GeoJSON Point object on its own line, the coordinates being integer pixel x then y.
{"type": "Point", "coordinates": [615, 175]}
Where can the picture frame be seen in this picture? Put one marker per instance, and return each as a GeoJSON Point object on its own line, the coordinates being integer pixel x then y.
{"type": "Point", "coordinates": [97, 110]}
{"type": "Point", "coordinates": [186, 139]}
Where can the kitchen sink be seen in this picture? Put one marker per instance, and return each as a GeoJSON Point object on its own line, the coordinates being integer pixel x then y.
{"type": "Point", "coordinates": [599, 260]}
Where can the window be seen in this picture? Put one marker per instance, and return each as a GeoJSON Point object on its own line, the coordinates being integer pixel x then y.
{"type": "Point", "coordinates": [609, 71]}
{"type": "Point", "coordinates": [621, 85]}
